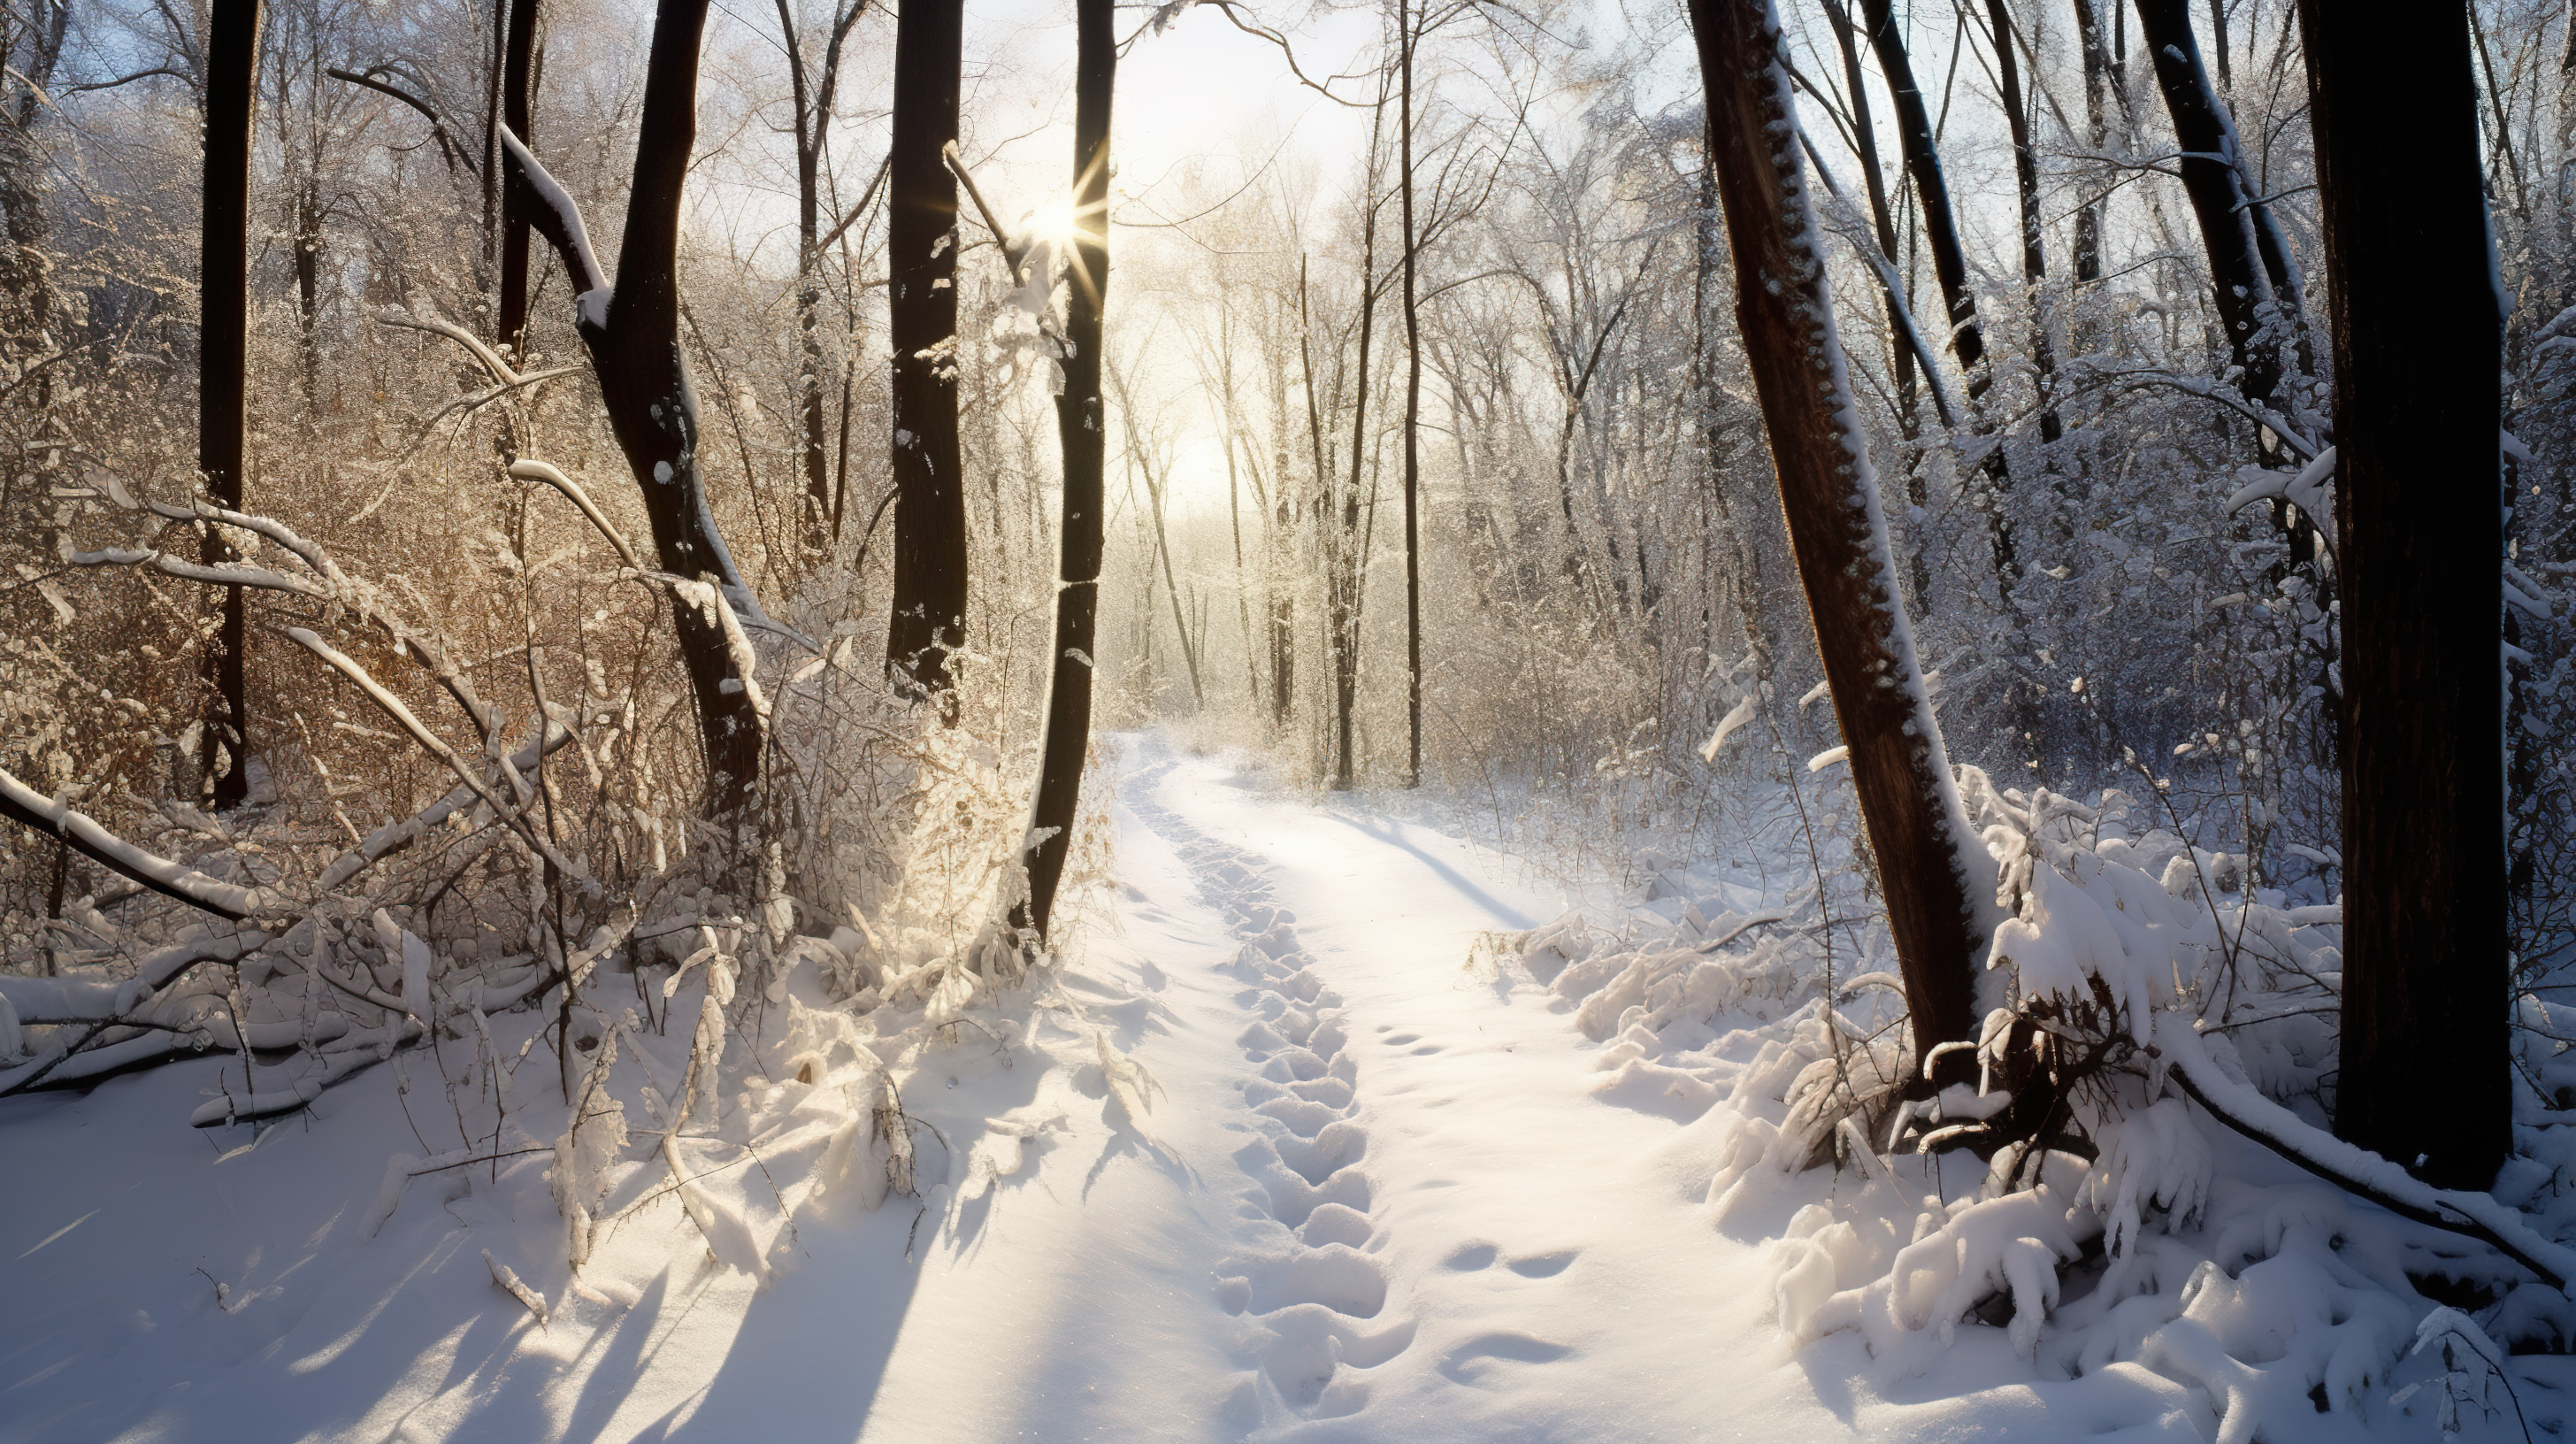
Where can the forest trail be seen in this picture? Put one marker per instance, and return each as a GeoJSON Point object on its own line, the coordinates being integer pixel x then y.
{"type": "Point", "coordinates": [1368, 1193]}
{"type": "Point", "coordinates": [1433, 1231]}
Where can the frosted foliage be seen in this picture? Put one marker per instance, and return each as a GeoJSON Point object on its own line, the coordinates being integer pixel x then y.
{"type": "Point", "coordinates": [2142, 1242]}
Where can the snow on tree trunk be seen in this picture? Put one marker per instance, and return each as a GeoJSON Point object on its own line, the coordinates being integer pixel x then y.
{"type": "Point", "coordinates": [1938, 877]}
{"type": "Point", "coordinates": [632, 330]}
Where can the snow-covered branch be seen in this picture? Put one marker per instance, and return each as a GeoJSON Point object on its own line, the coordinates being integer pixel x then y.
{"type": "Point", "coordinates": [29, 808]}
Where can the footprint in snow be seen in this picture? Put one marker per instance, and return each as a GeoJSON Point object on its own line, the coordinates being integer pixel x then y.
{"type": "Point", "coordinates": [1314, 1309]}
{"type": "Point", "coordinates": [1487, 1355]}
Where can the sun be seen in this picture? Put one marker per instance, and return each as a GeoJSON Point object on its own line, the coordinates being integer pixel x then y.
{"type": "Point", "coordinates": [1053, 224]}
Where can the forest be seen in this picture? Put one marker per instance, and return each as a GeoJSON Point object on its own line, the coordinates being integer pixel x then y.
{"type": "Point", "coordinates": [1287, 719]}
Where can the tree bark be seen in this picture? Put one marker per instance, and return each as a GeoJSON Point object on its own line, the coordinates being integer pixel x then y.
{"type": "Point", "coordinates": [2034, 251]}
{"type": "Point", "coordinates": [518, 113]}
{"type": "Point", "coordinates": [929, 614]}
{"type": "Point", "coordinates": [1082, 431]}
{"type": "Point", "coordinates": [2417, 346]}
{"type": "Point", "coordinates": [1406, 34]}
{"type": "Point", "coordinates": [1930, 862]}
{"type": "Point", "coordinates": [632, 331]}
{"type": "Point", "coordinates": [2097, 132]}
{"type": "Point", "coordinates": [1949, 264]}
{"type": "Point", "coordinates": [232, 58]}
{"type": "Point", "coordinates": [2221, 198]}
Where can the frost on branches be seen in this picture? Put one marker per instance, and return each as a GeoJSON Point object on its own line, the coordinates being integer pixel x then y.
{"type": "Point", "coordinates": [2139, 1191]}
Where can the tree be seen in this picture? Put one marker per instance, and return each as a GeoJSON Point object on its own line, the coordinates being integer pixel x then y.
{"type": "Point", "coordinates": [632, 331]}
{"type": "Point", "coordinates": [1084, 437]}
{"type": "Point", "coordinates": [1921, 149]}
{"type": "Point", "coordinates": [813, 100]}
{"type": "Point", "coordinates": [2417, 342]}
{"type": "Point", "coordinates": [929, 613]}
{"type": "Point", "coordinates": [519, 62]}
{"type": "Point", "coordinates": [232, 63]}
{"type": "Point", "coordinates": [1931, 864]}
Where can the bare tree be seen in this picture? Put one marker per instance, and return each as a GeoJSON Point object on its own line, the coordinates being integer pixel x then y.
{"type": "Point", "coordinates": [1084, 438]}
{"type": "Point", "coordinates": [232, 63]}
{"type": "Point", "coordinates": [2417, 340]}
{"type": "Point", "coordinates": [813, 99]}
{"type": "Point", "coordinates": [519, 63]}
{"type": "Point", "coordinates": [929, 614]}
{"type": "Point", "coordinates": [632, 330]}
{"type": "Point", "coordinates": [1931, 864]}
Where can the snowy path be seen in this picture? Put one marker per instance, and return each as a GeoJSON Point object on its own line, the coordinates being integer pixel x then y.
{"type": "Point", "coordinates": [1426, 1193]}
{"type": "Point", "coordinates": [1373, 1199]}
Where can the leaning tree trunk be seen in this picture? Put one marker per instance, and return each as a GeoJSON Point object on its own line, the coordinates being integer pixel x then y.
{"type": "Point", "coordinates": [929, 614]}
{"type": "Point", "coordinates": [1082, 431]}
{"type": "Point", "coordinates": [2243, 266]}
{"type": "Point", "coordinates": [517, 112]}
{"type": "Point", "coordinates": [2252, 277]}
{"type": "Point", "coordinates": [232, 60]}
{"type": "Point", "coordinates": [1933, 867]}
{"type": "Point", "coordinates": [2034, 251]}
{"type": "Point", "coordinates": [2426, 1078]}
{"type": "Point", "coordinates": [632, 331]}
{"type": "Point", "coordinates": [1949, 264]}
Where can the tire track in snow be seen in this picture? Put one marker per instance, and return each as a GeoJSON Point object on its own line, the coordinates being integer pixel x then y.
{"type": "Point", "coordinates": [1318, 1310]}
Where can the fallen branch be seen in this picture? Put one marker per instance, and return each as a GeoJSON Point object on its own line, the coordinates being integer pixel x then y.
{"type": "Point", "coordinates": [2355, 1170]}
{"type": "Point", "coordinates": [31, 809]}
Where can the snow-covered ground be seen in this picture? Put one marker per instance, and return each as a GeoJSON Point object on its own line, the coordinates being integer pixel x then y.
{"type": "Point", "coordinates": [1383, 1190]}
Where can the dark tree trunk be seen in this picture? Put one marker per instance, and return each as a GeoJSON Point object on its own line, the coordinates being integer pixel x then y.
{"type": "Point", "coordinates": [1949, 264]}
{"type": "Point", "coordinates": [1901, 356]}
{"type": "Point", "coordinates": [2220, 199]}
{"type": "Point", "coordinates": [2097, 133]}
{"type": "Point", "coordinates": [1931, 864]}
{"type": "Point", "coordinates": [518, 113]}
{"type": "Point", "coordinates": [232, 59]}
{"type": "Point", "coordinates": [634, 344]}
{"type": "Point", "coordinates": [2252, 278]}
{"type": "Point", "coordinates": [23, 265]}
{"type": "Point", "coordinates": [1882, 217]}
{"type": "Point", "coordinates": [2417, 345]}
{"type": "Point", "coordinates": [921, 262]}
{"type": "Point", "coordinates": [1406, 35]}
{"type": "Point", "coordinates": [1343, 571]}
{"type": "Point", "coordinates": [2034, 252]}
{"type": "Point", "coordinates": [1082, 430]}
{"type": "Point", "coordinates": [813, 105]}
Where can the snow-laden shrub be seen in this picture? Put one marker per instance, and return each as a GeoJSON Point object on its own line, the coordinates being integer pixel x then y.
{"type": "Point", "coordinates": [2081, 1196]}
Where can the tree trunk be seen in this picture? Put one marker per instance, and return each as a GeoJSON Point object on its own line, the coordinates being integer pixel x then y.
{"type": "Point", "coordinates": [2097, 131]}
{"type": "Point", "coordinates": [2221, 199]}
{"type": "Point", "coordinates": [2417, 346]}
{"type": "Point", "coordinates": [1343, 577]}
{"type": "Point", "coordinates": [1405, 37]}
{"type": "Point", "coordinates": [2034, 253]}
{"type": "Point", "coordinates": [929, 615]}
{"type": "Point", "coordinates": [1933, 867]}
{"type": "Point", "coordinates": [1082, 430]}
{"type": "Point", "coordinates": [232, 58]}
{"type": "Point", "coordinates": [2252, 278]}
{"type": "Point", "coordinates": [632, 331]}
{"type": "Point", "coordinates": [1949, 265]}
{"type": "Point", "coordinates": [1901, 356]}
{"type": "Point", "coordinates": [518, 113]}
